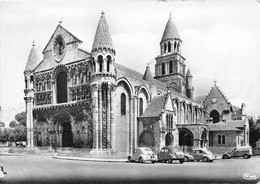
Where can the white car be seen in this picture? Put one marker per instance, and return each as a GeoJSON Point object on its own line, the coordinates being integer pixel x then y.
{"type": "Point", "coordinates": [142, 155]}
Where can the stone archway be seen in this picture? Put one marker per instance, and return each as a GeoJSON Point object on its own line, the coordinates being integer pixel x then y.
{"type": "Point", "coordinates": [203, 142]}
{"type": "Point", "coordinates": [169, 139]}
{"type": "Point", "coordinates": [67, 136]}
{"type": "Point", "coordinates": [186, 138]}
{"type": "Point", "coordinates": [214, 114]}
{"type": "Point", "coordinates": [146, 139]}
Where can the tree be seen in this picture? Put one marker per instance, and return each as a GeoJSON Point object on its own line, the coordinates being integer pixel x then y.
{"type": "Point", "coordinates": [254, 132]}
{"type": "Point", "coordinates": [13, 124]}
{"type": "Point", "coordinates": [21, 118]}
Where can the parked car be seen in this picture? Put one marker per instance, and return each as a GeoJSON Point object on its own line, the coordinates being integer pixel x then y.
{"type": "Point", "coordinates": [168, 154]}
{"type": "Point", "coordinates": [188, 157]}
{"type": "Point", "coordinates": [142, 155]}
{"type": "Point", "coordinates": [256, 151]}
{"type": "Point", "coordinates": [203, 154]}
{"type": "Point", "coordinates": [245, 152]}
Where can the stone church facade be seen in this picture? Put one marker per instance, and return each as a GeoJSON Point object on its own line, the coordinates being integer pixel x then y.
{"type": "Point", "coordinates": [80, 99]}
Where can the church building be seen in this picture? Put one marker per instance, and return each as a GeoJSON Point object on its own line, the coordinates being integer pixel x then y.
{"type": "Point", "coordinates": [87, 99]}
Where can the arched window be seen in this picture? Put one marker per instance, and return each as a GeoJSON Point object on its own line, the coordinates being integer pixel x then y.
{"type": "Point", "coordinates": [163, 68]}
{"type": "Point", "coordinates": [94, 66]}
{"type": "Point", "coordinates": [108, 63]}
{"type": "Point", "coordinates": [123, 104]}
{"type": "Point", "coordinates": [165, 47]}
{"type": "Point", "coordinates": [174, 46]}
{"type": "Point", "coordinates": [100, 62]}
{"type": "Point", "coordinates": [171, 65]}
{"type": "Point", "coordinates": [141, 106]}
{"type": "Point", "coordinates": [223, 139]}
{"type": "Point", "coordinates": [219, 139]}
{"type": "Point", "coordinates": [62, 87]}
{"type": "Point", "coordinates": [169, 47]}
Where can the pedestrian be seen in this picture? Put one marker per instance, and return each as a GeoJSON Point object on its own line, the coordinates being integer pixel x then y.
{"type": "Point", "coordinates": [2, 174]}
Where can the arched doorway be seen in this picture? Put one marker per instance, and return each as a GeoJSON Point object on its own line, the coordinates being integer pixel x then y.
{"type": "Point", "coordinates": [214, 114]}
{"type": "Point", "coordinates": [146, 139]}
{"type": "Point", "coordinates": [203, 142]}
{"type": "Point", "coordinates": [186, 139]}
{"type": "Point", "coordinates": [62, 87]}
{"type": "Point", "coordinates": [169, 139]}
{"type": "Point", "coordinates": [67, 136]}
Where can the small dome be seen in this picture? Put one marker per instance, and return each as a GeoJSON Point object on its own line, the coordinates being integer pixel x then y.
{"type": "Point", "coordinates": [170, 31]}
{"type": "Point", "coordinates": [33, 59]}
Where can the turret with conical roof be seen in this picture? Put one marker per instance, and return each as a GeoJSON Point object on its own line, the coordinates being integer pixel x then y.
{"type": "Point", "coordinates": [189, 83]}
{"type": "Point", "coordinates": [32, 62]}
{"type": "Point", "coordinates": [148, 76]}
{"type": "Point", "coordinates": [170, 64]}
{"type": "Point", "coordinates": [103, 51]}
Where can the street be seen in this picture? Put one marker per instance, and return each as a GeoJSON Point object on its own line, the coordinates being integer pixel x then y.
{"type": "Point", "coordinates": [45, 169]}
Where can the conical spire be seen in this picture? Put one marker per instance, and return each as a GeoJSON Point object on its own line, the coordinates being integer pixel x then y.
{"type": "Point", "coordinates": [188, 73]}
{"type": "Point", "coordinates": [170, 31]}
{"type": "Point", "coordinates": [33, 59]}
{"type": "Point", "coordinates": [102, 37]}
{"type": "Point", "coordinates": [148, 74]}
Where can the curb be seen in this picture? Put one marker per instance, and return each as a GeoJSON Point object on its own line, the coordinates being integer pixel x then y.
{"type": "Point", "coordinates": [91, 159]}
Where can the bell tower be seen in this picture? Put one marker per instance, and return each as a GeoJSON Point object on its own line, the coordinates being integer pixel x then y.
{"type": "Point", "coordinates": [170, 64]}
{"type": "Point", "coordinates": [103, 86]}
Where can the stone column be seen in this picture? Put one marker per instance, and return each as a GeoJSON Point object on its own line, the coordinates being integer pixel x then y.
{"type": "Point", "coordinates": [108, 117]}
{"type": "Point", "coordinates": [100, 116]}
{"type": "Point", "coordinates": [131, 126]}
{"type": "Point", "coordinates": [94, 95]}
{"type": "Point", "coordinates": [29, 120]}
{"type": "Point", "coordinates": [112, 119]}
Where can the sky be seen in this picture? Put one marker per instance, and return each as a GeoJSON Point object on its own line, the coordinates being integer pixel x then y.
{"type": "Point", "coordinates": [220, 41]}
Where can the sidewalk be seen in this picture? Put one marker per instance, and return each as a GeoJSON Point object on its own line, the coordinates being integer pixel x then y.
{"type": "Point", "coordinates": [90, 159]}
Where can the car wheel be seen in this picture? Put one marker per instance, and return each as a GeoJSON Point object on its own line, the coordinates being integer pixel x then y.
{"type": "Point", "coordinates": [245, 156]}
{"type": "Point", "coordinates": [153, 162]}
{"type": "Point", "coordinates": [181, 161]}
{"type": "Point", "coordinates": [129, 158]}
{"type": "Point", "coordinates": [169, 161]}
{"type": "Point", "coordinates": [225, 157]}
{"type": "Point", "coordinates": [186, 159]}
{"type": "Point", "coordinates": [205, 159]}
{"type": "Point", "coordinates": [210, 160]}
{"type": "Point", "coordinates": [141, 160]}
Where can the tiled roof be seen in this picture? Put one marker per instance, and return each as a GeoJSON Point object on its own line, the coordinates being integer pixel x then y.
{"type": "Point", "coordinates": [231, 125]}
{"type": "Point", "coordinates": [170, 31]}
{"type": "Point", "coordinates": [155, 107]}
{"type": "Point", "coordinates": [33, 59]}
{"type": "Point", "coordinates": [102, 38]}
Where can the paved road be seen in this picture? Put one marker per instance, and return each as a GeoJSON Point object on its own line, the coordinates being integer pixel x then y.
{"type": "Point", "coordinates": [44, 169]}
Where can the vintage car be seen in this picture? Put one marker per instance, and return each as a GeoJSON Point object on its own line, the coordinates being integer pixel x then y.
{"type": "Point", "coordinates": [188, 157]}
{"type": "Point", "coordinates": [245, 152]}
{"type": "Point", "coordinates": [169, 154]}
{"type": "Point", "coordinates": [142, 155]}
{"type": "Point", "coordinates": [202, 154]}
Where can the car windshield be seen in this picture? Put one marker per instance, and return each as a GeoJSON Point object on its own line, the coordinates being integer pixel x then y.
{"type": "Point", "coordinates": [148, 151]}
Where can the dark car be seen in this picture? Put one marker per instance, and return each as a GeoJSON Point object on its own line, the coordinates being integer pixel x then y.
{"type": "Point", "coordinates": [169, 154]}
{"type": "Point", "coordinates": [245, 152]}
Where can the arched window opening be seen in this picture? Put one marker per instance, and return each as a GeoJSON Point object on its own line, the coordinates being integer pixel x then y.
{"type": "Point", "coordinates": [141, 104]}
{"type": "Point", "coordinates": [94, 66]}
{"type": "Point", "coordinates": [108, 63]}
{"type": "Point", "coordinates": [165, 47]}
{"type": "Point", "coordinates": [163, 68]}
{"type": "Point", "coordinates": [175, 46]}
{"type": "Point", "coordinates": [169, 47]}
{"type": "Point", "coordinates": [100, 62]}
{"type": "Point", "coordinates": [223, 139]}
{"type": "Point", "coordinates": [215, 116]}
{"type": "Point", "coordinates": [169, 139]}
{"type": "Point", "coordinates": [31, 78]}
{"type": "Point", "coordinates": [178, 47]}
{"type": "Point", "coordinates": [171, 70]}
{"type": "Point", "coordinates": [219, 139]}
{"type": "Point", "coordinates": [123, 104]}
{"type": "Point", "coordinates": [62, 87]}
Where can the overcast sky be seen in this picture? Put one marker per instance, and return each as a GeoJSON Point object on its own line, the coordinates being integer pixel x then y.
{"type": "Point", "coordinates": [220, 41]}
